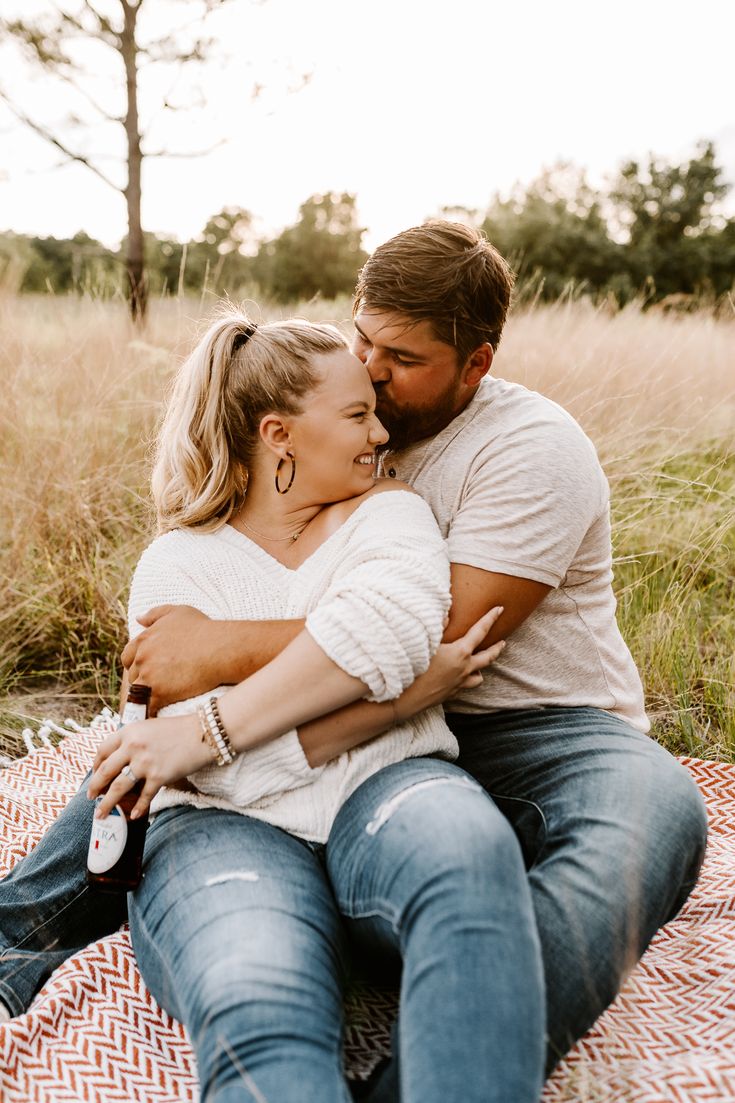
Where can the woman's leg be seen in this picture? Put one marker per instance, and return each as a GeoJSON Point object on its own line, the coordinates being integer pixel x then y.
{"type": "Point", "coordinates": [423, 863]}
{"type": "Point", "coordinates": [237, 936]}
{"type": "Point", "coordinates": [47, 910]}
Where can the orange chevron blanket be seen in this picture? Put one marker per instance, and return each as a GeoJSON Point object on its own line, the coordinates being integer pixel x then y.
{"type": "Point", "coordinates": [94, 1034]}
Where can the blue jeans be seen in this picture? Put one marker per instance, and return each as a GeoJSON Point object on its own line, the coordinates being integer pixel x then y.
{"type": "Point", "coordinates": [613, 831]}
{"type": "Point", "coordinates": [237, 931]}
{"type": "Point", "coordinates": [612, 828]}
{"type": "Point", "coordinates": [47, 910]}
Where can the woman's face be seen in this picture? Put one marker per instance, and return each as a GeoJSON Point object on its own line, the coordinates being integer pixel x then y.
{"type": "Point", "coordinates": [335, 436]}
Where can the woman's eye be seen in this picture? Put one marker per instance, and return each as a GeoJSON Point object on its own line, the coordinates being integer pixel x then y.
{"type": "Point", "coordinates": [360, 417]}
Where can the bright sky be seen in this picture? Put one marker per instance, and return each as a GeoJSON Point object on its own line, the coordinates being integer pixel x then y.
{"type": "Point", "coordinates": [412, 104]}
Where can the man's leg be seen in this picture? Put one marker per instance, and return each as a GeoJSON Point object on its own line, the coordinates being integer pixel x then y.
{"type": "Point", "coordinates": [423, 865]}
{"type": "Point", "coordinates": [47, 910]}
{"type": "Point", "coordinates": [613, 830]}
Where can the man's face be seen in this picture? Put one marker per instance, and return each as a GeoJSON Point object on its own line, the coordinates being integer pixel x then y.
{"type": "Point", "coordinates": [417, 378]}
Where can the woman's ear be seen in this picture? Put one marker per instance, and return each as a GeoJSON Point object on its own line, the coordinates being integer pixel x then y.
{"type": "Point", "coordinates": [275, 434]}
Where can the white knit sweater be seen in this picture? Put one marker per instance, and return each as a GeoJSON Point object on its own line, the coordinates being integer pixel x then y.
{"type": "Point", "coordinates": [374, 596]}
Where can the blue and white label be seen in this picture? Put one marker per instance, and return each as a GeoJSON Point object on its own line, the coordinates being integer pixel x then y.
{"type": "Point", "coordinates": [107, 841]}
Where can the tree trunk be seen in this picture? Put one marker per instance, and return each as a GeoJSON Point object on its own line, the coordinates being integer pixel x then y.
{"type": "Point", "coordinates": [137, 284]}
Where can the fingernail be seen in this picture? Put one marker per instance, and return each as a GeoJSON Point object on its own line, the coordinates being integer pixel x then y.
{"type": "Point", "coordinates": [134, 814]}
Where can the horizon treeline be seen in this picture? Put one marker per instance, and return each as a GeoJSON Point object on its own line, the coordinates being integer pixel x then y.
{"type": "Point", "coordinates": [654, 232]}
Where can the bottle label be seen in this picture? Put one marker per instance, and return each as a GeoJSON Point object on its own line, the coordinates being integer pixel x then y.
{"type": "Point", "coordinates": [132, 713]}
{"type": "Point", "coordinates": [107, 841]}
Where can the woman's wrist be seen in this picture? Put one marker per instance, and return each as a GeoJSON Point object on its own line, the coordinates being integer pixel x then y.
{"type": "Point", "coordinates": [405, 706]}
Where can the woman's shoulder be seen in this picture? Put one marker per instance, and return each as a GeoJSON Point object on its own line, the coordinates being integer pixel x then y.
{"type": "Point", "coordinates": [381, 498]}
{"type": "Point", "coordinates": [383, 484]}
{"type": "Point", "coordinates": [390, 508]}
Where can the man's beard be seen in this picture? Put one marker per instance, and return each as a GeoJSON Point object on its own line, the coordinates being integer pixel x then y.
{"type": "Point", "coordinates": [410, 426]}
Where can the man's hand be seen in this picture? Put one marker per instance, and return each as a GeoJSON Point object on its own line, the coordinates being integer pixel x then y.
{"type": "Point", "coordinates": [173, 655]}
{"type": "Point", "coordinates": [183, 653]}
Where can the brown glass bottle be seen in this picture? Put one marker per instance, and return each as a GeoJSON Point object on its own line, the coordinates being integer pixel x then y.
{"type": "Point", "coordinates": [116, 844]}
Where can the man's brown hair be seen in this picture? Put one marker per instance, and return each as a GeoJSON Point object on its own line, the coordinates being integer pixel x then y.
{"type": "Point", "coordinates": [445, 273]}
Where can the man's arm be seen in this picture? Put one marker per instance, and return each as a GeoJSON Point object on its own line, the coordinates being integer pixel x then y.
{"type": "Point", "coordinates": [475, 590]}
{"type": "Point", "coordinates": [182, 653]}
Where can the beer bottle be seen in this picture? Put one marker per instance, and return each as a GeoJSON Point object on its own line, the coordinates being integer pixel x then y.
{"type": "Point", "coordinates": [116, 844]}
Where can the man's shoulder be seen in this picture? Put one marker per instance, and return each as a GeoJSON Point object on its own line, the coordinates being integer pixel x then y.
{"type": "Point", "coordinates": [511, 405]}
{"type": "Point", "coordinates": [507, 416]}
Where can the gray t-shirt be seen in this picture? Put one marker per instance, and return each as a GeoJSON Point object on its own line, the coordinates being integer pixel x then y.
{"type": "Point", "coordinates": [517, 489]}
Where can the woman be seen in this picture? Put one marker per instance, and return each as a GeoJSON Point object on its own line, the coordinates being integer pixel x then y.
{"type": "Point", "coordinates": [265, 481]}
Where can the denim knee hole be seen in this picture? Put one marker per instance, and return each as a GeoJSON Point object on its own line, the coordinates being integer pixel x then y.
{"type": "Point", "coordinates": [388, 807]}
{"type": "Point", "coordinates": [235, 875]}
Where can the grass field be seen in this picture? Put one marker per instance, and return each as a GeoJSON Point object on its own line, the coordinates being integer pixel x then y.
{"type": "Point", "coordinates": [83, 391]}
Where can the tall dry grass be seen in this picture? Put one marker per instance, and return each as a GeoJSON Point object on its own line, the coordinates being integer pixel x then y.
{"type": "Point", "coordinates": [82, 393]}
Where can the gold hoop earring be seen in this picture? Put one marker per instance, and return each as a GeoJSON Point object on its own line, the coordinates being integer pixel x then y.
{"type": "Point", "coordinates": [282, 460]}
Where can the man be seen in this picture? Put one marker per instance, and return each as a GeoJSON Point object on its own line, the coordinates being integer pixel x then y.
{"type": "Point", "coordinates": [612, 827]}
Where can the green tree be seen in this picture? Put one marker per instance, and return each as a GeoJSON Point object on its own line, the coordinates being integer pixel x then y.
{"type": "Point", "coordinates": [554, 233]}
{"type": "Point", "coordinates": [60, 265]}
{"type": "Point", "coordinates": [675, 233]}
{"type": "Point", "coordinates": [319, 255]}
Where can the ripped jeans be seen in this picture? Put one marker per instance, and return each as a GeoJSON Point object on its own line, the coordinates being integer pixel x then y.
{"type": "Point", "coordinates": [238, 931]}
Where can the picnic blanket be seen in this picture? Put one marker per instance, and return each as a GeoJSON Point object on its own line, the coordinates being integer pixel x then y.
{"type": "Point", "coordinates": [94, 1034]}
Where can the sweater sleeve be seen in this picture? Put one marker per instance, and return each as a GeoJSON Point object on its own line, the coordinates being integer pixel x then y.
{"type": "Point", "coordinates": [264, 771]}
{"type": "Point", "coordinates": [383, 615]}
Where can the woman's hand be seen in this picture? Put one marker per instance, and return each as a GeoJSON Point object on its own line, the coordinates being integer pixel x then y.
{"type": "Point", "coordinates": [455, 666]}
{"type": "Point", "coordinates": [157, 752]}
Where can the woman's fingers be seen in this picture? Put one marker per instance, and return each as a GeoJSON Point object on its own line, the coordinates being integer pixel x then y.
{"type": "Point", "coordinates": [140, 808]}
{"type": "Point", "coordinates": [481, 659]}
{"type": "Point", "coordinates": [107, 765]}
{"type": "Point", "coordinates": [111, 784]}
{"type": "Point", "coordinates": [106, 748]}
{"type": "Point", "coordinates": [478, 662]}
{"type": "Point", "coordinates": [113, 791]}
{"type": "Point", "coordinates": [475, 635]}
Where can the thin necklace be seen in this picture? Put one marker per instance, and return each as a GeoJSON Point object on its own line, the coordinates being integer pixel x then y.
{"type": "Point", "coordinates": [274, 539]}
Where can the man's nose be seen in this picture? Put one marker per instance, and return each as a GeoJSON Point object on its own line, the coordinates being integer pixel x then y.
{"type": "Point", "coordinates": [378, 367]}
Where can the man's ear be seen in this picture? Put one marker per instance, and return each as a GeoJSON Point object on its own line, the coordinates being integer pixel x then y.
{"type": "Point", "coordinates": [275, 434]}
{"type": "Point", "coordinates": [478, 365]}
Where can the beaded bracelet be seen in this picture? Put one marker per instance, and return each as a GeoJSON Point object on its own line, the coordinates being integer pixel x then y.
{"type": "Point", "coordinates": [214, 733]}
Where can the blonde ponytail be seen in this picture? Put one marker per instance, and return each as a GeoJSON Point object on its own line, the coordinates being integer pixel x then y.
{"type": "Point", "coordinates": [236, 374]}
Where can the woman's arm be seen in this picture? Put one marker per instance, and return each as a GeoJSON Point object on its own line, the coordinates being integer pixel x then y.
{"type": "Point", "coordinates": [164, 750]}
{"type": "Point", "coordinates": [455, 666]}
{"type": "Point", "coordinates": [300, 684]}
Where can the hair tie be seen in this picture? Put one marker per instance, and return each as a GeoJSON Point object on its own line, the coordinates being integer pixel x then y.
{"type": "Point", "coordinates": [242, 338]}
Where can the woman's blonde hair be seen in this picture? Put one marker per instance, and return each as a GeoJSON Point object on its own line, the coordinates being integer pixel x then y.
{"type": "Point", "coordinates": [236, 374]}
